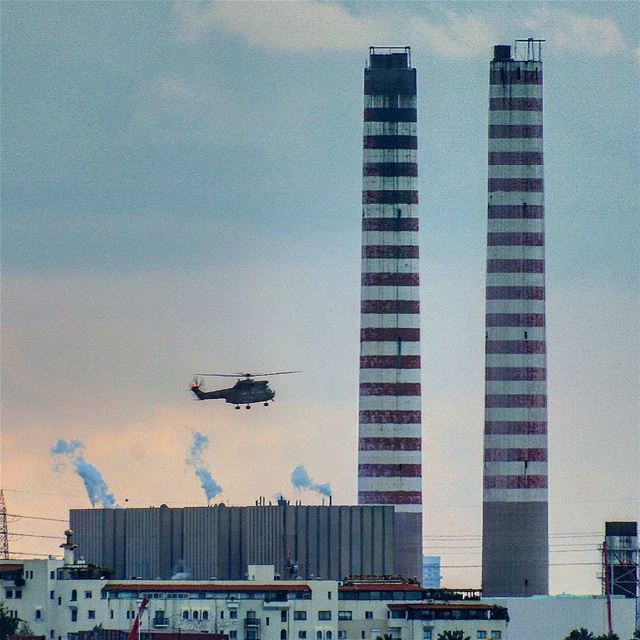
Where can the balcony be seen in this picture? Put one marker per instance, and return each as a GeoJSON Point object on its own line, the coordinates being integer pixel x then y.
{"type": "Point", "coordinates": [252, 623]}
{"type": "Point", "coordinates": [276, 604]}
{"type": "Point", "coordinates": [160, 623]}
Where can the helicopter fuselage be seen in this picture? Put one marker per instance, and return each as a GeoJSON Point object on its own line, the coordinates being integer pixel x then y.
{"type": "Point", "coordinates": [243, 392]}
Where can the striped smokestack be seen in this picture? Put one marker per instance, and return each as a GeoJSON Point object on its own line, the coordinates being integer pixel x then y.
{"type": "Point", "coordinates": [515, 505]}
{"type": "Point", "coordinates": [389, 448]}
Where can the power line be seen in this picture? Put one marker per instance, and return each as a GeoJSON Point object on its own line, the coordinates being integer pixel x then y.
{"type": "Point", "coordinates": [33, 535]}
{"type": "Point", "coordinates": [20, 515]}
{"type": "Point", "coordinates": [551, 564]}
{"type": "Point", "coordinates": [30, 554]}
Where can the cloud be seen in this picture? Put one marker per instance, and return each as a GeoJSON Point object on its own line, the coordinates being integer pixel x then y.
{"type": "Point", "coordinates": [577, 32]}
{"type": "Point", "coordinates": [459, 37]}
{"type": "Point", "coordinates": [308, 26]}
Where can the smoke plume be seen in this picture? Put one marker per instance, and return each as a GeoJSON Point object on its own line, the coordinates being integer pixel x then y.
{"type": "Point", "coordinates": [300, 480]}
{"type": "Point", "coordinates": [73, 452]}
{"type": "Point", "coordinates": [210, 486]}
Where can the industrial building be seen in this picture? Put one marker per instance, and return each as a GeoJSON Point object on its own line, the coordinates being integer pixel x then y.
{"type": "Point", "coordinates": [515, 547]}
{"type": "Point", "coordinates": [620, 559]}
{"type": "Point", "coordinates": [302, 541]}
{"type": "Point", "coordinates": [390, 430]}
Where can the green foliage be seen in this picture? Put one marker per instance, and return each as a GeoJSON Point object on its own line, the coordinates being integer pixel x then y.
{"type": "Point", "coordinates": [580, 634]}
{"type": "Point", "coordinates": [453, 635]}
{"type": "Point", "coordinates": [24, 629]}
{"type": "Point", "coordinates": [8, 625]}
{"type": "Point", "coordinates": [607, 636]}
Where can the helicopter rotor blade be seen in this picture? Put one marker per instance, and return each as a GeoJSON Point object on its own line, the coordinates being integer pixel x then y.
{"type": "Point", "coordinates": [275, 373]}
{"type": "Point", "coordinates": [221, 375]}
{"type": "Point", "coordinates": [244, 374]}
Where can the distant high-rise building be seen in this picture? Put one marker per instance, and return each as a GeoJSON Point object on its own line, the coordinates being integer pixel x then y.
{"type": "Point", "coordinates": [515, 548]}
{"type": "Point", "coordinates": [389, 457]}
{"type": "Point", "coordinates": [431, 577]}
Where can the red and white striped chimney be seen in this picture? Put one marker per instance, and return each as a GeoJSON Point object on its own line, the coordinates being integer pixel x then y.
{"type": "Point", "coordinates": [389, 448]}
{"type": "Point", "coordinates": [515, 506]}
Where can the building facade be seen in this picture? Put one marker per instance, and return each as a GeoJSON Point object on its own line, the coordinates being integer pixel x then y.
{"type": "Point", "coordinates": [60, 604]}
{"type": "Point", "coordinates": [515, 551]}
{"type": "Point", "coordinates": [201, 543]}
{"type": "Point", "coordinates": [390, 431]}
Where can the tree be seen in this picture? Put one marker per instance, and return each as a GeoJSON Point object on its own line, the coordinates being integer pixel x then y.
{"type": "Point", "coordinates": [8, 625]}
{"type": "Point", "coordinates": [453, 635]}
{"type": "Point", "coordinates": [607, 636]}
{"type": "Point", "coordinates": [24, 629]}
{"type": "Point", "coordinates": [580, 634]}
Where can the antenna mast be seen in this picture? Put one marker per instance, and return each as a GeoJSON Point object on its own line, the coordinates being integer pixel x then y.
{"type": "Point", "coordinates": [4, 529]}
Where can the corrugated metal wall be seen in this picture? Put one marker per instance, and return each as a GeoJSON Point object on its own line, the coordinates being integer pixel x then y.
{"type": "Point", "coordinates": [205, 542]}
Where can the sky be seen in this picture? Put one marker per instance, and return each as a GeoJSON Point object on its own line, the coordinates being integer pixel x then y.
{"type": "Point", "coordinates": [181, 188]}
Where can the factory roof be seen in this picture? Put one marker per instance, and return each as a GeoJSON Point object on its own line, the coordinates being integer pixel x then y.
{"type": "Point", "coordinates": [183, 587]}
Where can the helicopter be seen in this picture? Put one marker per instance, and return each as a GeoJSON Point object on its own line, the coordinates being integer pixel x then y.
{"type": "Point", "coordinates": [246, 390]}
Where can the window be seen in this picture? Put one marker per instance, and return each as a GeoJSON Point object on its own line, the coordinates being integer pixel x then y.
{"type": "Point", "coordinates": [59, 601]}
{"type": "Point", "coordinates": [398, 614]}
{"type": "Point", "coordinates": [345, 615]}
{"type": "Point", "coordinates": [18, 594]}
{"type": "Point", "coordinates": [111, 614]}
{"type": "Point", "coordinates": [368, 615]}
{"type": "Point", "coordinates": [299, 615]}
{"type": "Point", "coordinates": [496, 634]}
{"type": "Point", "coordinates": [342, 634]}
{"type": "Point", "coordinates": [38, 614]}
{"type": "Point", "coordinates": [52, 575]}
{"type": "Point", "coordinates": [88, 595]}
{"type": "Point", "coordinates": [481, 635]}
{"type": "Point", "coordinates": [205, 615]}
{"type": "Point", "coordinates": [426, 633]}
{"type": "Point", "coordinates": [302, 635]}
{"type": "Point", "coordinates": [324, 615]}
{"type": "Point", "coordinates": [52, 595]}
{"type": "Point", "coordinates": [283, 615]}
{"type": "Point", "coordinates": [74, 615]}
{"type": "Point", "coordinates": [266, 621]}
{"type": "Point", "coordinates": [318, 635]}
{"type": "Point", "coordinates": [9, 594]}
{"type": "Point", "coordinates": [52, 633]}
{"type": "Point", "coordinates": [74, 595]}
{"type": "Point", "coordinates": [185, 615]}
{"type": "Point", "coordinates": [329, 595]}
{"type": "Point", "coordinates": [328, 635]}
{"type": "Point", "coordinates": [222, 615]}
{"type": "Point", "coordinates": [233, 614]}
{"type": "Point", "coordinates": [233, 634]}
{"type": "Point", "coordinates": [362, 634]}
{"type": "Point", "coordinates": [194, 615]}
{"type": "Point", "coordinates": [91, 614]}
{"type": "Point", "coordinates": [283, 634]}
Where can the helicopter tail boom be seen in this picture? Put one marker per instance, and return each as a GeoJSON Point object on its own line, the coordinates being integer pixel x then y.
{"type": "Point", "coordinates": [207, 395]}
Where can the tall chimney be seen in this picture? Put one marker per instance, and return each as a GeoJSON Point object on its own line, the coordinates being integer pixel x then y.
{"type": "Point", "coordinates": [389, 455]}
{"type": "Point", "coordinates": [515, 547]}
